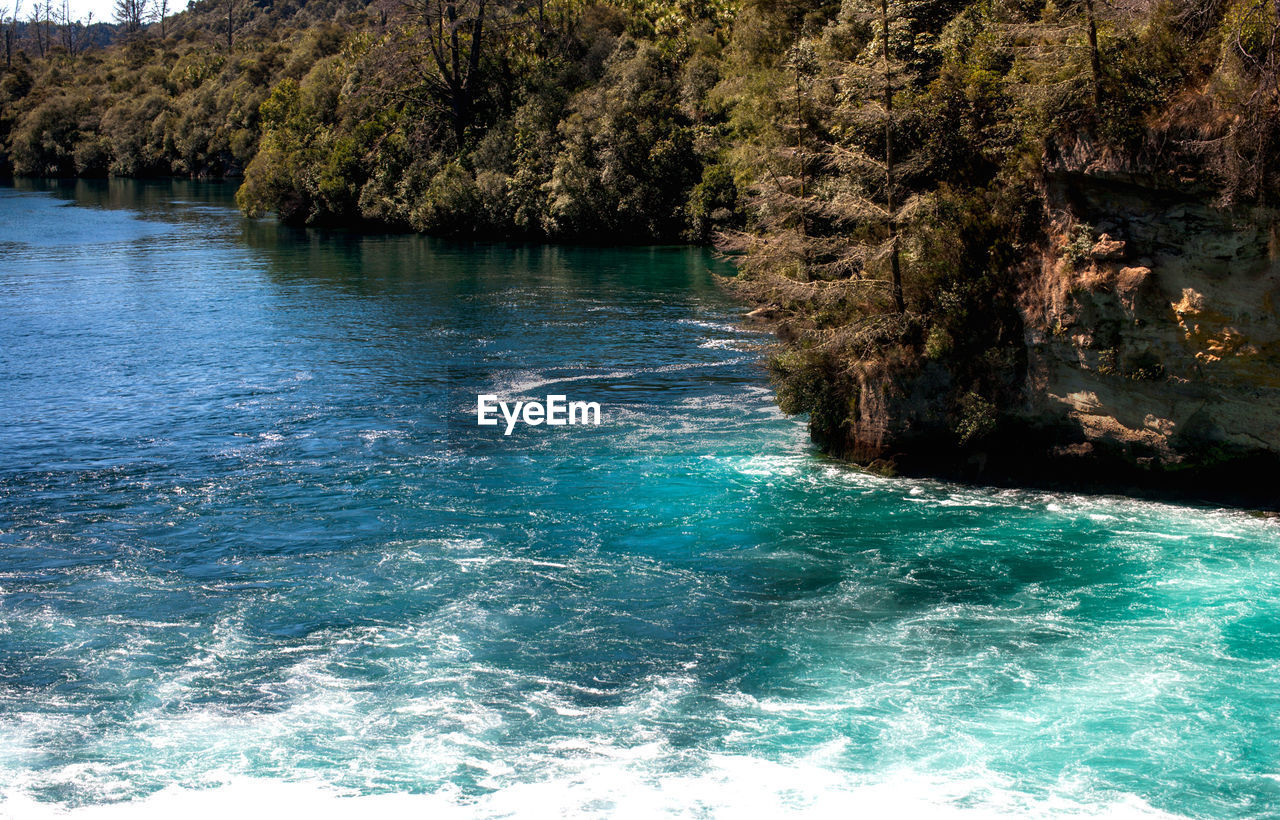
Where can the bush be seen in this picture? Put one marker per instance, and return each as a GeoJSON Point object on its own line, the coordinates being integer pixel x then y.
{"type": "Point", "coordinates": [451, 205]}
{"type": "Point", "coordinates": [713, 204]}
{"type": "Point", "coordinates": [975, 419]}
{"type": "Point", "coordinates": [44, 140]}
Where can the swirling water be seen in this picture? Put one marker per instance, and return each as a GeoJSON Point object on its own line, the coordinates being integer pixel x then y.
{"type": "Point", "coordinates": [255, 553]}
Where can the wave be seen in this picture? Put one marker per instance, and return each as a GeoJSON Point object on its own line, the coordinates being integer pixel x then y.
{"type": "Point", "coordinates": [525, 382]}
{"type": "Point", "coordinates": [728, 786]}
{"type": "Point", "coordinates": [724, 327]}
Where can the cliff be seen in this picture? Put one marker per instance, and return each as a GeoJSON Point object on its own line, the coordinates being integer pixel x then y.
{"type": "Point", "coordinates": [1153, 332]}
{"type": "Point", "coordinates": [1150, 361]}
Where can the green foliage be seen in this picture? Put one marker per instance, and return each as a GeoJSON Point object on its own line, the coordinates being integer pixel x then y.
{"type": "Point", "coordinates": [1146, 68]}
{"type": "Point", "coordinates": [1249, 26]}
{"type": "Point", "coordinates": [938, 344]}
{"type": "Point", "coordinates": [1079, 245]}
{"type": "Point", "coordinates": [1144, 366]}
{"type": "Point", "coordinates": [977, 91]}
{"type": "Point", "coordinates": [713, 204]}
{"type": "Point", "coordinates": [450, 203]}
{"type": "Point", "coordinates": [1246, 91]}
{"type": "Point", "coordinates": [152, 106]}
{"type": "Point", "coordinates": [976, 419]}
{"type": "Point", "coordinates": [627, 161]}
{"type": "Point", "coordinates": [273, 178]}
{"type": "Point", "coordinates": [581, 120]}
{"type": "Point", "coordinates": [807, 382]}
{"type": "Point", "coordinates": [1107, 361]}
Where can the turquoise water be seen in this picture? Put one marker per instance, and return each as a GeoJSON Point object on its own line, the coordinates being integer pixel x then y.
{"type": "Point", "coordinates": [255, 553]}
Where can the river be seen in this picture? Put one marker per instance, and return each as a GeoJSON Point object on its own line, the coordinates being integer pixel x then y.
{"type": "Point", "coordinates": [257, 555]}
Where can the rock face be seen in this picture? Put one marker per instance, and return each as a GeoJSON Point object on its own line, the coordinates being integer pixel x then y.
{"type": "Point", "coordinates": [1153, 337]}
{"type": "Point", "coordinates": [1150, 361]}
{"type": "Point", "coordinates": [1141, 354]}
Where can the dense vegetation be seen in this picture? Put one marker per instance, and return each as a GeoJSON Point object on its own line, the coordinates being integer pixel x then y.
{"type": "Point", "coordinates": [893, 154]}
{"type": "Point", "coordinates": [561, 119]}
{"type": "Point", "coordinates": [875, 162]}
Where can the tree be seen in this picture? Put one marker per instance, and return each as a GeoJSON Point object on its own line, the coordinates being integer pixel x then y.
{"type": "Point", "coordinates": [1246, 155]}
{"type": "Point", "coordinates": [130, 14]}
{"type": "Point", "coordinates": [891, 214]}
{"type": "Point", "coordinates": [11, 32]}
{"type": "Point", "coordinates": [159, 14]}
{"type": "Point", "coordinates": [628, 159]}
{"type": "Point", "coordinates": [37, 28]}
{"type": "Point", "coordinates": [73, 33]}
{"type": "Point", "coordinates": [1095, 62]}
{"type": "Point", "coordinates": [836, 247]}
{"type": "Point", "coordinates": [459, 34]}
{"type": "Point", "coordinates": [1061, 47]}
{"type": "Point", "coordinates": [232, 7]}
{"type": "Point", "coordinates": [838, 202]}
{"type": "Point", "coordinates": [786, 243]}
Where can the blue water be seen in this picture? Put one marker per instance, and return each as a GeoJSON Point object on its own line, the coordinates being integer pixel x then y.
{"type": "Point", "coordinates": [255, 552]}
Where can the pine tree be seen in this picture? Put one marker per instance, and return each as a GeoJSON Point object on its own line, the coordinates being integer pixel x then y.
{"type": "Point", "coordinates": [836, 204]}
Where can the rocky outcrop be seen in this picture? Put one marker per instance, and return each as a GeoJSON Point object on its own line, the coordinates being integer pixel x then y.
{"type": "Point", "coordinates": [1153, 337]}
{"type": "Point", "coordinates": [1149, 362]}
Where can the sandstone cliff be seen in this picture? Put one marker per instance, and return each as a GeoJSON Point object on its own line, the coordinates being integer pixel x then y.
{"type": "Point", "coordinates": [1151, 360]}
{"type": "Point", "coordinates": [1153, 325]}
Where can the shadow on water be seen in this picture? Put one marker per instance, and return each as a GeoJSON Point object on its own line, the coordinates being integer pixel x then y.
{"type": "Point", "coordinates": [173, 198]}
{"type": "Point", "coordinates": [369, 264]}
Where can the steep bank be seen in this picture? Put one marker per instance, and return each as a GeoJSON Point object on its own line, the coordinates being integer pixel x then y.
{"type": "Point", "coordinates": [1155, 350]}
{"type": "Point", "coordinates": [1150, 355]}
{"type": "Point", "coordinates": [1030, 246]}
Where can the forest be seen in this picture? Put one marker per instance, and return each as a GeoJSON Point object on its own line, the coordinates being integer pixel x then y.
{"type": "Point", "coordinates": [875, 167]}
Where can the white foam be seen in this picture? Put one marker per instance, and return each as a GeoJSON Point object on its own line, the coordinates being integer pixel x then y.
{"type": "Point", "coordinates": [523, 383]}
{"type": "Point", "coordinates": [724, 327]}
{"type": "Point", "coordinates": [728, 786]}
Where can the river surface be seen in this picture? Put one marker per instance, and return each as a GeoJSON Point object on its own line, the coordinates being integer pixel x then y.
{"type": "Point", "coordinates": [256, 556]}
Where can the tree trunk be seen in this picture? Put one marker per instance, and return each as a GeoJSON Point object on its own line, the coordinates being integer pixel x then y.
{"type": "Point", "coordinates": [804, 217]}
{"type": "Point", "coordinates": [895, 267]}
{"type": "Point", "coordinates": [1095, 64]}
